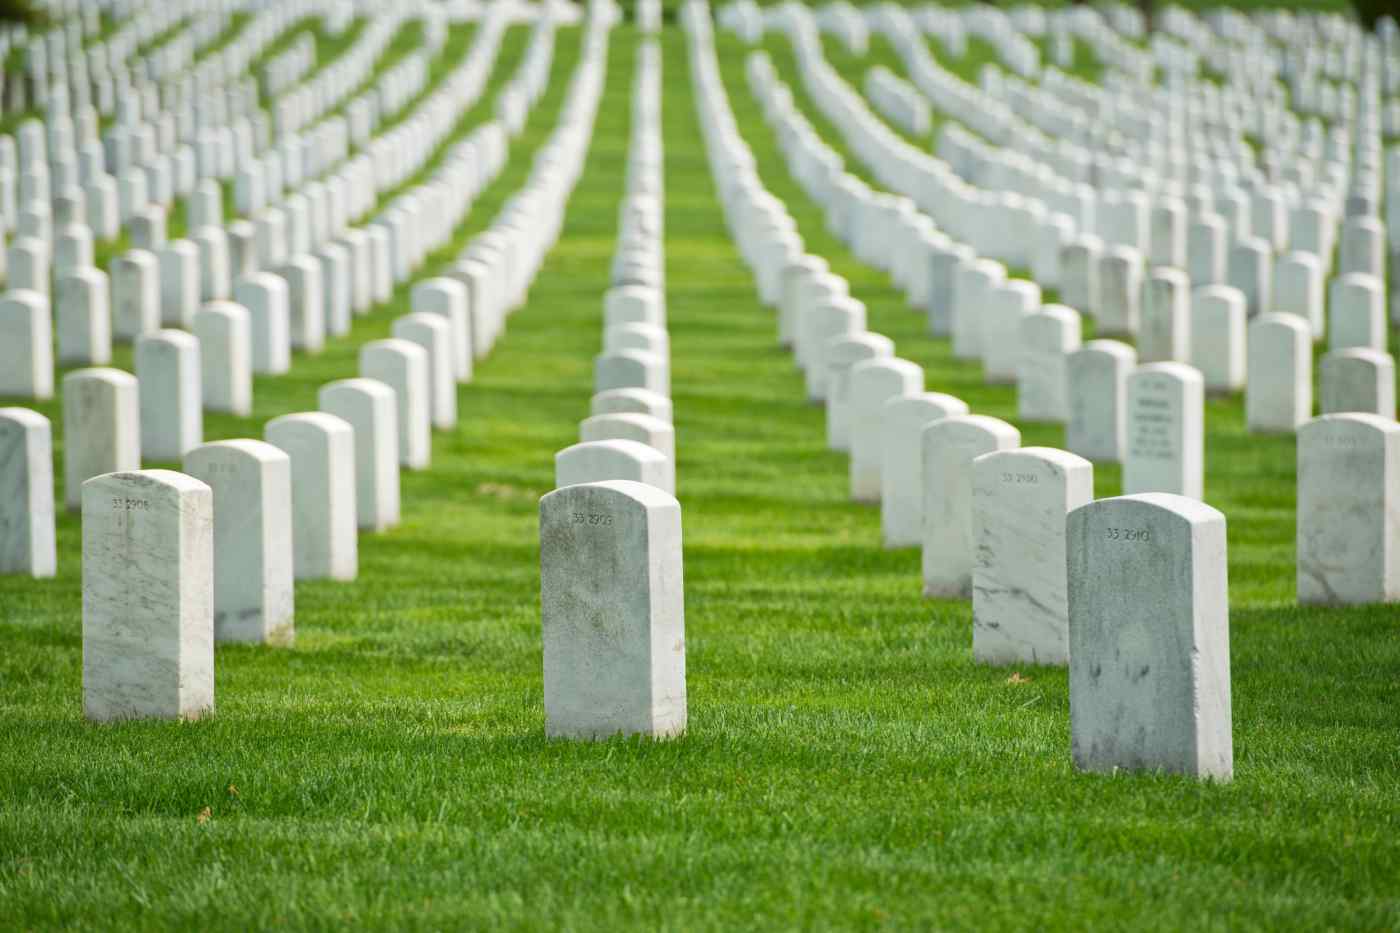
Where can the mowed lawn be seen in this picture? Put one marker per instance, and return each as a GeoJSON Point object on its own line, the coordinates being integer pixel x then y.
{"type": "Point", "coordinates": [847, 764]}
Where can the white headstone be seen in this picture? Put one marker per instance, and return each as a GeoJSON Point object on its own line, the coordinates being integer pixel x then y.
{"type": "Point", "coordinates": [644, 429]}
{"type": "Point", "coordinates": [616, 459]}
{"type": "Point", "coordinates": [1079, 273]}
{"type": "Point", "coordinates": [1048, 337]}
{"type": "Point", "coordinates": [172, 414]}
{"type": "Point", "coordinates": [83, 318]}
{"type": "Point", "coordinates": [448, 298]}
{"type": "Point", "coordinates": [72, 249]}
{"type": "Point", "coordinates": [135, 294]}
{"type": "Point", "coordinates": [1006, 310]}
{"type": "Point", "coordinates": [630, 369]}
{"type": "Point", "coordinates": [26, 345]}
{"type": "Point", "coordinates": [371, 408]}
{"type": "Point", "coordinates": [306, 304]}
{"type": "Point", "coordinates": [949, 447]}
{"type": "Point", "coordinates": [101, 427]}
{"type": "Point", "coordinates": [1362, 247]}
{"type": "Point", "coordinates": [225, 337]}
{"type": "Point", "coordinates": [1020, 497]}
{"type": "Point", "coordinates": [1251, 271]}
{"type": "Point", "coordinates": [1097, 379]}
{"type": "Point", "coordinates": [641, 401]}
{"type": "Point", "coordinates": [1278, 393]}
{"type": "Point", "coordinates": [27, 265]}
{"type": "Point", "coordinates": [1298, 289]}
{"type": "Point", "coordinates": [1168, 234]}
{"type": "Point", "coordinates": [179, 283]}
{"type": "Point", "coordinates": [322, 451]}
{"type": "Point", "coordinates": [1205, 250]}
{"type": "Point", "coordinates": [148, 596]}
{"type": "Point", "coordinates": [903, 419]}
{"type": "Point", "coordinates": [1356, 312]}
{"type": "Point", "coordinates": [265, 297]}
{"type": "Point", "coordinates": [629, 304]}
{"type": "Point", "coordinates": [1149, 637]}
{"type": "Point", "coordinates": [1120, 292]}
{"type": "Point", "coordinates": [1218, 321]}
{"type": "Point", "coordinates": [612, 607]}
{"type": "Point", "coordinates": [27, 541]}
{"type": "Point", "coordinates": [972, 286]}
{"type": "Point", "coordinates": [433, 333]}
{"type": "Point", "coordinates": [403, 367]}
{"type": "Point", "coordinates": [841, 354]}
{"type": "Point", "coordinates": [872, 383]}
{"type": "Point", "coordinates": [1165, 449]}
{"type": "Point", "coordinates": [252, 487]}
{"type": "Point", "coordinates": [840, 316]}
{"type": "Point", "coordinates": [1348, 513]}
{"type": "Point", "coordinates": [1357, 379]}
{"type": "Point", "coordinates": [1165, 334]}
{"type": "Point", "coordinates": [336, 287]}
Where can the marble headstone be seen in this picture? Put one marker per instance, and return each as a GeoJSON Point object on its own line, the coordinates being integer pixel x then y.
{"type": "Point", "coordinates": [1149, 637]}
{"type": "Point", "coordinates": [148, 596]}
{"type": "Point", "coordinates": [612, 611]}
{"type": "Point", "coordinates": [252, 488]}
{"type": "Point", "coordinates": [1020, 498]}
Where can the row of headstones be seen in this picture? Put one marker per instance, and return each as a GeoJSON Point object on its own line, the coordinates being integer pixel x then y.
{"type": "Point", "coordinates": [183, 374]}
{"type": "Point", "coordinates": [70, 59]}
{"type": "Point", "coordinates": [137, 160]}
{"type": "Point", "coordinates": [611, 582]}
{"type": "Point", "coordinates": [1182, 133]}
{"type": "Point", "coordinates": [159, 548]}
{"type": "Point", "coordinates": [1129, 114]}
{"type": "Point", "coordinates": [1149, 417]}
{"type": "Point", "coordinates": [188, 271]}
{"type": "Point", "coordinates": [80, 24]}
{"type": "Point", "coordinates": [204, 97]}
{"type": "Point", "coordinates": [293, 297]}
{"type": "Point", "coordinates": [898, 100]}
{"type": "Point", "coordinates": [1124, 129]}
{"type": "Point", "coordinates": [150, 181]}
{"type": "Point", "coordinates": [964, 102]}
{"type": "Point", "coordinates": [1010, 226]}
{"type": "Point", "coordinates": [1014, 527]}
{"type": "Point", "coordinates": [629, 433]}
{"type": "Point", "coordinates": [1002, 321]}
{"type": "Point", "coordinates": [1260, 217]}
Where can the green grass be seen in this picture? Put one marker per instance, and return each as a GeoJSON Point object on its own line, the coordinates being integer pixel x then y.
{"type": "Point", "coordinates": [847, 764]}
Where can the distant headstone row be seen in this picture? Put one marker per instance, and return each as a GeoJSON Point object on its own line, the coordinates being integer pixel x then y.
{"type": "Point", "coordinates": [1132, 268]}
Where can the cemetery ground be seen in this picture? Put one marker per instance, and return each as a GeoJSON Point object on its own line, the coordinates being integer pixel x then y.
{"type": "Point", "coordinates": [846, 763]}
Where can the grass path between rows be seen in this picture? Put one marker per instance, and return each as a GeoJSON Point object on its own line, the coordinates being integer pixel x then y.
{"type": "Point", "coordinates": [847, 764]}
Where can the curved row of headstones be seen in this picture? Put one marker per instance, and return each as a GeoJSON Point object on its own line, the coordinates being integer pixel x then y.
{"type": "Point", "coordinates": [158, 147]}
{"type": "Point", "coordinates": [990, 221]}
{"type": "Point", "coordinates": [1130, 591]}
{"type": "Point", "coordinates": [108, 429]}
{"type": "Point", "coordinates": [219, 566]}
{"type": "Point", "coordinates": [1133, 272]}
{"type": "Point", "coordinates": [178, 274]}
{"type": "Point", "coordinates": [1002, 322]}
{"type": "Point", "coordinates": [297, 274]}
{"type": "Point", "coordinates": [612, 591]}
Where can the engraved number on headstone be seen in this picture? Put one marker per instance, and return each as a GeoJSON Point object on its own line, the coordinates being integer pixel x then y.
{"type": "Point", "coordinates": [129, 505]}
{"type": "Point", "coordinates": [592, 518]}
{"type": "Point", "coordinates": [1020, 478]}
{"type": "Point", "coordinates": [1129, 534]}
